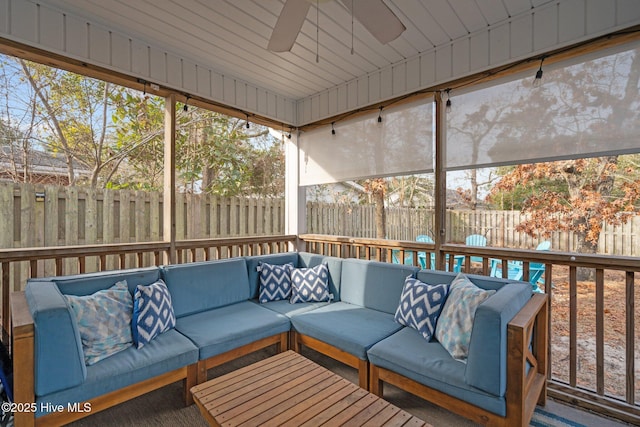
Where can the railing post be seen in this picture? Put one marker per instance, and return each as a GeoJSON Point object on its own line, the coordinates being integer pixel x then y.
{"type": "Point", "coordinates": [169, 194]}
{"type": "Point", "coordinates": [441, 182]}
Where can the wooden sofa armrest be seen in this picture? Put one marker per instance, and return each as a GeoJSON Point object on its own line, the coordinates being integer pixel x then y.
{"type": "Point", "coordinates": [22, 336]}
{"type": "Point", "coordinates": [527, 343]}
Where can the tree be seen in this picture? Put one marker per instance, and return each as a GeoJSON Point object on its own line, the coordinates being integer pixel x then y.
{"type": "Point", "coordinates": [599, 99]}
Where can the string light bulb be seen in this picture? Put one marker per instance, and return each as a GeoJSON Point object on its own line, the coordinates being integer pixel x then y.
{"type": "Point", "coordinates": [247, 125]}
{"type": "Point", "coordinates": [537, 81]}
{"type": "Point", "coordinates": [333, 131]}
{"type": "Point", "coordinates": [186, 107]}
{"type": "Point", "coordinates": [447, 105]}
{"type": "Point", "coordinates": [380, 115]}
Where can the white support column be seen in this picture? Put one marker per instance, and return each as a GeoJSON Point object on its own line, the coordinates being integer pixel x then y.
{"type": "Point", "coordinates": [295, 196]}
{"type": "Point", "coordinates": [169, 193]}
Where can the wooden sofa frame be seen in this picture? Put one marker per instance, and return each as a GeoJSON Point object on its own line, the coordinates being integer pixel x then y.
{"type": "Point", "coordinates": [23, 345]}
{"type": "Point", "coordinates": [527, 343]}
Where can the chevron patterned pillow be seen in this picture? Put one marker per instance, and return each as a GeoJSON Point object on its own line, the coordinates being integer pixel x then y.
{"type": "Point", "coordinates": [420, 305]}
{"type": "Point", "coordinates": [152, 312]}
{"type": "Point", "coordinates": [275, 281]}
{"type": "Point", "coordinates": [310, 284]}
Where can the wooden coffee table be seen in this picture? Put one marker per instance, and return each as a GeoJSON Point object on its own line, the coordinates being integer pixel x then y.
{"type": "Point", "coordinates": [288, 389]}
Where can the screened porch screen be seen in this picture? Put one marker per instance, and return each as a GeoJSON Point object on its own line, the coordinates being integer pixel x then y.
{"type": "Point", "coordinates": [583, 110]}
{"type": "Point", "coordinates": [363, 148]}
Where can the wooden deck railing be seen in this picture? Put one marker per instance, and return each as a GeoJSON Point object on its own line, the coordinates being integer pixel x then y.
{"type": "Point", "coordinates": [611, 392]}
{"type": "Point", "coordinates": [18, 265]}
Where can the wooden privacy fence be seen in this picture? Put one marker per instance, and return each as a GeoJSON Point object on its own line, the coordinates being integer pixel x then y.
{"type": "Point", "coordinates": [498, 226]}
{"type": "Point", "coordinates": [44, 216]}
{"type": "Point", "coordinates": [38, 216]}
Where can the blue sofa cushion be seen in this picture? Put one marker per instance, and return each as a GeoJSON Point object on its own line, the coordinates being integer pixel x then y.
{"type": "Point", "coordinates": [276, 259]}
{"type": "Point", "coordinates": [104, 321]}
{"type": "Point", "coordinates": [420, 305]}
{"type": "Point", "coordinates": [167, 352]}
{"type": "Point", "coordinates": [456, 320]}
{"type": "Point", "coordinates": [487, 362]}
{"type": "Point", "coordinates": [427, 362]}
{"type": "Point", "coordinates": [90, 283]}
{"type": "Point", "coordinates": [201, 286]}
{"type": "Point", "coordinates": [372, 284]}
{"type": "Point", "coordinates": [56, 339]}
{"type": "Point", "coordinates": [286, 308]}
{"type": "Point", "coordinates": [275, 281]}
{"type": "Point", "coordinates": [310, 284]}
{"type": "Point", "coordinates": [152, 312]}
{"type": "Point", "coordinates": [225, 328]}
{"type": "Point", "coordinates": [349, 327]}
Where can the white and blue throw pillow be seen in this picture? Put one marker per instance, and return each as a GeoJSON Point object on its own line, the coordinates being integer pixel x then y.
{"type": "Point", "coordinates": [104, 321]}
{"type": "Point", "coordinates": [152, 312]}
{"type": "Point", "coordinates": [310, 284]}
{"type": "Point", "coordinates": [275, 282]}
{"type": "Point", "coordinates": [420, 305]}
{"type": "Point", "coordinates": [456, 320]}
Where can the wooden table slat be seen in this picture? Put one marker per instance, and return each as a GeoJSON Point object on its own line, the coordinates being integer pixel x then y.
{"type": "Point", "coordinates": [268, 402]}
{"type": "Point", "coordinates": [308, 407]}
{"type": "Point", "coordinates": [241, 376]}
{"type": "Point", "coordinates": [367, 413]}
{"type": "Point", "coordinates": [247, 397]}
{"type": "Point", "coordinates": [288, 389]}
{"type": "Point", "coordinates": [383, 417]}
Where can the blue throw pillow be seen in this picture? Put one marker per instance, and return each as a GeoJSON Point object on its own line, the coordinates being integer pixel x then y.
{"type": "Point", "coordinates": [152, 312]}
{"type": "Point", "coordinates": [420, 305]}
{"type": "Point", "coordinates": [275, 282]}
{"type": "Point", "coordinates": [104, 321]}
{"type": "Point", "coordinates": [310, 284]}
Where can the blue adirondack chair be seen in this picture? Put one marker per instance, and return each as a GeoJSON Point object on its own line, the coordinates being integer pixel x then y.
{"type": "Point", "coordinates": [475, 240]}
{"type": "Point", "coordinates": [422, 256]}
{"type": "Point", "coordinates": [515, 269]}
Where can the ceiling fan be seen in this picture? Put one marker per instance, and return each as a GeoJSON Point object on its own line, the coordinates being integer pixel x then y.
{"type": "Point", "coordinates": [374, 15]}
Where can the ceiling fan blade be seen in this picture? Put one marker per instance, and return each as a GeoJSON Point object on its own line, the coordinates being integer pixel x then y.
{"type": "Point", "coordinates": [377, 18]}
{"type": "Point", "coordinates": [288, 25]}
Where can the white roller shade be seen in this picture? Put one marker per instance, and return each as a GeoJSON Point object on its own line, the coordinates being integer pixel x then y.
{"type": "Point", "coordinates": [587, 109]}
{"type": "Point", "coordinates": [363, 148]}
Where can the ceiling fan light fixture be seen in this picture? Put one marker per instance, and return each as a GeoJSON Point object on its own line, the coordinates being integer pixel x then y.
{"type": "Point", "coordinates": [374, 15]}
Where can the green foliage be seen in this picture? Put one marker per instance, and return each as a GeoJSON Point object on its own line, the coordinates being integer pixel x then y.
{"type": "Point", "coordinates": [113, 137]}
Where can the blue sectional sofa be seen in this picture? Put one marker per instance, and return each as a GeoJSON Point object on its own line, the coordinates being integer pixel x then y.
{"type": "Point", "coordinates": [219, 318]}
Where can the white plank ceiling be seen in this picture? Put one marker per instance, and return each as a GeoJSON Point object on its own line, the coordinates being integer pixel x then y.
{"type": "Point", "coordinates": [218, 48]}
{"type": "Point", "coordinates": [231, 36]}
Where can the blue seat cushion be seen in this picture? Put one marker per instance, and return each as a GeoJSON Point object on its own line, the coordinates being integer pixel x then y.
{"type": "Point", "coordinates": [222, 329]}
{"type": "Point", "coordinates": [348, 327]}
{"type": "Point", "coordinates": [427, 362]}
{"type": "Point", "coordinates": [168, 351]}
{"type": "Point", "coordinates": [285, 307]}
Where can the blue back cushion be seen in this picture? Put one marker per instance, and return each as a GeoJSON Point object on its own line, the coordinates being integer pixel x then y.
{"type": "Point", "coordinates": [487, 362]}
{"type": "Point", "coordinates": [90, 283]}
{"type": "Point", "coordinates": [375, 285]}
{"type": "Point", "coordinates": [276, 259]}
{"type": "Point", "coordinates": [59, 359]}
{"type": "Point", "coordinates": [201, 286]}
{"type": "Point", "coordinates": [308, 260]}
